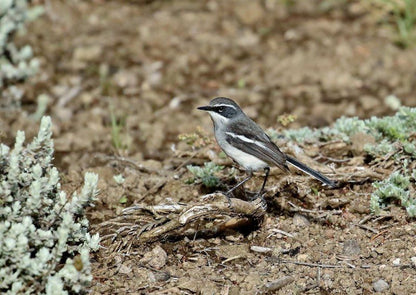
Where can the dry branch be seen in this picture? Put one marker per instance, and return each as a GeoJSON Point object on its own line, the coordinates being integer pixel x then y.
{"type": "Point", "coordinates": [211, 217]}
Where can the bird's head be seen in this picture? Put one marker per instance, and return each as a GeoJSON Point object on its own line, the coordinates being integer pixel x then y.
{"type": "Point", "coordinates": [222, 110]}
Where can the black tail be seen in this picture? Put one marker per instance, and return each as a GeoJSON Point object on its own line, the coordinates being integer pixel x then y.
{"type": "Point", "coordinates": [310, 171]}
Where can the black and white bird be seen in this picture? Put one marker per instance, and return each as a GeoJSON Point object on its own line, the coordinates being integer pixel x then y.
{"type": "Point", "coordinates": [248, 145]}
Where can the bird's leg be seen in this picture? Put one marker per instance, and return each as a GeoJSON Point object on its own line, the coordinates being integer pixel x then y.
{"type": "Point", "coordinates": [260, 193]}
{"type": "Point", "coordinates": [250, 175]}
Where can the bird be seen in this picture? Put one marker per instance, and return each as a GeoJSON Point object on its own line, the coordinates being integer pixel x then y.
{"type": "Point", "coordinates": [248, 145]}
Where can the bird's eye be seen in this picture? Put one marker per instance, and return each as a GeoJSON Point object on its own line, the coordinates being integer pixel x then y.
{"type": "Point", "coordinates": [220, 110]}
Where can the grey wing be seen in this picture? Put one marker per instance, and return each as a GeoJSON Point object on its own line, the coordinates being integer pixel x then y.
{"type": "Point", "coordinates": [251, 139]}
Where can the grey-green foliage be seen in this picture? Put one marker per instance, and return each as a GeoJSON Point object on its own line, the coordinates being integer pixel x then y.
{"type": "Point", "coordinates": [394, 137]}
{"type": "Point", "coordinates": [44, 239]}
{"type": "Point", "coordinates": [395, 187]}
{"type": "Point", "coordinates": [16, 64]}
{"type": "Point", "coordinates": [206, 174]}
{"type": "Point", "coordinates": [343, 129]}
{"type": "Point", "coordinates": [386, 131]}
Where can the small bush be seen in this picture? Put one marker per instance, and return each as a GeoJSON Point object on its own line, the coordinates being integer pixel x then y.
{"type": "Point", "coordinates": [44, 239]}
{"type": "Point", "coordinates": [394, 138]}
{"type": "Point", "coordinates": [392, 133]}
{"type": "Point", "coordinates": [206, 174]}
{"type": "Point", "coordinates": [395, 187]}
{"type": "Point", "coordinates": [16, 64]}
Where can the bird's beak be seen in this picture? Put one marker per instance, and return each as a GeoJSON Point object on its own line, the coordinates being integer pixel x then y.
{"type": "Point", "coordinates": [205, 108]}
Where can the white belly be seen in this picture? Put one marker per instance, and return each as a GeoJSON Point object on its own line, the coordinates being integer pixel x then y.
{"type": "Point", "coordinates": [248, 161]}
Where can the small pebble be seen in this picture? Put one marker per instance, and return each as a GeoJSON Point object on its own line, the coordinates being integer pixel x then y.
{"type": "Point", "coordinates": [300, 220]}
{"type": "Point", "coordinates": [278, 284]}
{"type": "Point", "coordinates": [413, 259]}
{"type": "Point", "coordinates": [380, 285]}
{"type": "Point", "coordinates": [303, 257]}
{"type": "Point", "coordinates": [351, 248]}
{"type": "Point", "coordinates": [159, 276]}
{"type": "Point", "coordinates": [396, 262]}
{"type": "Point", "coordinates": [156, 258]}
{"type": "Point", "coordinates": [260, 249]}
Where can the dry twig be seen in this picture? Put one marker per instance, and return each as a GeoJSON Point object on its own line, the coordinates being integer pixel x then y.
{"type": "Point", "coordinates": [143, 224]}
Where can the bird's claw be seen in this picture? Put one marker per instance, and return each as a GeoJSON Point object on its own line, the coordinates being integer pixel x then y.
{"type": "Point", "coordinates": [262, 200]}
{"type": "Point", "coordinates": [227, 195]}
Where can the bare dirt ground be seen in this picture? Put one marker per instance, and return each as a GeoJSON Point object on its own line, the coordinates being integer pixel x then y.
{"type": "Point", "coordinates": [151, 63]}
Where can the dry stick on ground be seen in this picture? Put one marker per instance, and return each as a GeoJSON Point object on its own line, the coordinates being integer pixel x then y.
{"type": "Point", "coordinates": [126, 161]}
{"type": "Point", "coordinates": [299, 209]}
{"type": "Point", "coordinates": [321, 156]}
{"type": "Point", "coordinates": [212, 217]}
{"type": "Point", "coordinates": [366, 227]}
{"type": "Point", "coordinates": [311, 264]}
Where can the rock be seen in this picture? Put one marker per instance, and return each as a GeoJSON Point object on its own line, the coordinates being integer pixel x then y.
{"type": "Point", "coordinates": [190, 284]}
{"type": "Point", "coordinates": [156, 258]}
{"type": "Point", "coordinates": [396, 262]}
{"type": "Point", "coordinates": [380, 285]}
{"type": "Point", "coordinates": [300, 220]}
{"type": "Point", "coordinates": [303, 257]}
{"type": "Point", "coordinates": [351, 248]}
{"type": "Point", "coordinates": [413, 259]}
{"type": "Point", "coordinates": [278, 284]}
{"type": "Point", "coordinates": [230, 251]}
{"type": "Point", "coordinates": [124, 269]}
{"type": "Point", "coordinates": [292, 35]}
{"type": "Point", "coordinates": [234, 290]}
{"type": "Point", "coordinates": [248, 39]}
{"type": "Point", "coordinates": [249, 12]}
{"type": "Point", "coordinates": [126, 78]}
{"type": "Point", "coordinates": [259, 249]}
{"type": "Point", "coordinates": [252, 280]}
{"type": "Point", "coordinates": [208, 288]}
{"type": "Point", "coordinates": [87, 53]}
{"type": "Point", "coordinates": [158, 276]}
{"type": "Point", "coordinates": [153, 74]}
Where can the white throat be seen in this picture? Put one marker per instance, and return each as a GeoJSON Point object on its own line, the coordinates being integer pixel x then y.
{"type": "Point", "coordinates": [218, 119]}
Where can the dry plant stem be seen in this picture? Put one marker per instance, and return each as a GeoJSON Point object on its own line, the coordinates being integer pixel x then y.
{"type": "Point", "coordinates": [216, 210]}
{"type": "Point", "coordinates": [299, 209]}
{"type": "Point", "coordinates": [368, 228]}
{"type": "Point", "coordinates": [143, 224]}
{"type": "Point", "coordinates": [343, 265]}
{"type": "Point", "coordinates": [330, 142]}
{"type": "Point", "coordinates": [311, 264]}
{"type": "Point", "coordinates": [127, 161]}
{"type": "Point", "coordinates": [321, 156]}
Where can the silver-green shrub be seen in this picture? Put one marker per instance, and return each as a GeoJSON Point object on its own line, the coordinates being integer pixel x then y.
{"type": "Point", "coordinates": [390, 129]}
{"type": "Point", "coordinates": [206, 174]}
{"type": "Point", "coordinates": [395, 187]}
{"type": "Point", "coordinates": [393, 138]}
{"type": "Point", "coordinates": [44, 238]}
{"type": "Point", "coordinates": [16, 64]}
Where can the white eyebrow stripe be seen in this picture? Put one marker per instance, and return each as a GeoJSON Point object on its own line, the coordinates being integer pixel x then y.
{"type": "Point", "coordinates": [225, 105]}
{"type": "Point", "coordinates": [243, 138]}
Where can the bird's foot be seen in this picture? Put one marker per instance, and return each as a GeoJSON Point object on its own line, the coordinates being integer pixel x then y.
{"type": "Point", "coordinates": [260, 196]}
{"type": "Point", "coordinates": [228, 196]}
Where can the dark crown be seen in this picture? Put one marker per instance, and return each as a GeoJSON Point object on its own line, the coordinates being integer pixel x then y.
{"type": "Point", "coordinates": [225, 101]}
